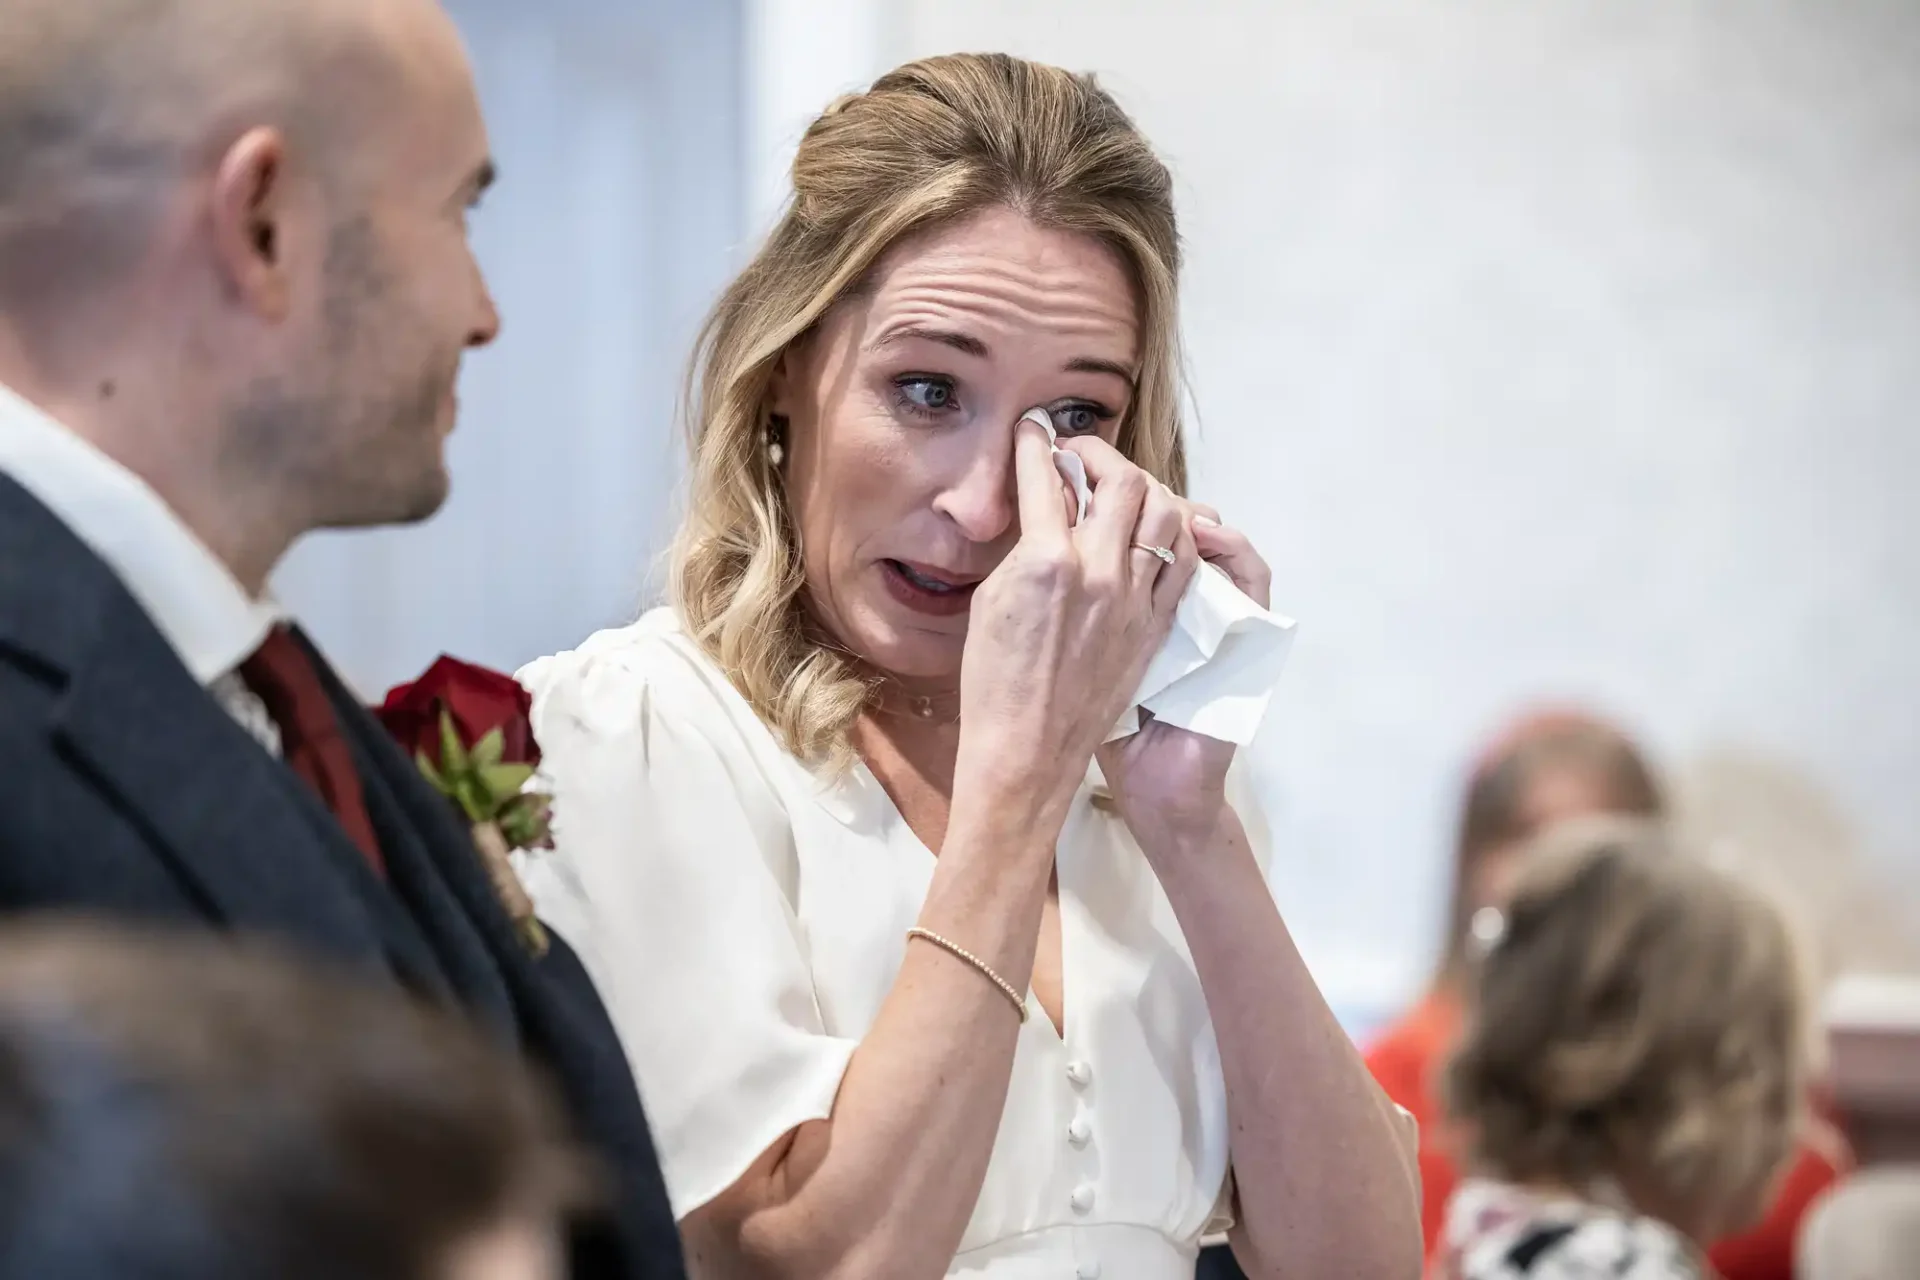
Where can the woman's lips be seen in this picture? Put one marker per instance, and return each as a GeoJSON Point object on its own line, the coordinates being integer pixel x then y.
{"type": "Point", "coordinates": [928, 590]}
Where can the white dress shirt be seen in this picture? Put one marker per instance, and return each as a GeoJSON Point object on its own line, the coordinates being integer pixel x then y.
{"type": "Point", "coordinates": [744, 920]}
{"type": "Point", "coordinates": [193, 599]}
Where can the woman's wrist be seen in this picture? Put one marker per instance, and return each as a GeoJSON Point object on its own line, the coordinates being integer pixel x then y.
{"type": "Point", "coordinates": [1192, 857]}
{"type": "Point", "coordinates": [1009, 778]}
{"type": "Point", "coordinates": [1177, 830]}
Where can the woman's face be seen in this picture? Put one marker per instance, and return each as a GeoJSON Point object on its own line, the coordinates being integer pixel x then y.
{"type": "Point", "coordinates": [900, 413]}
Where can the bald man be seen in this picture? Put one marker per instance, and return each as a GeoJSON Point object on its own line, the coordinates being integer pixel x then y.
{"type": "Point", "coordinates": [235, 291]}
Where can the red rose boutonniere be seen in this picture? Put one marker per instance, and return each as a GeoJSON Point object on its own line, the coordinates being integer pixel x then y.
{"type": "Point", "coordinates": [470, 731]}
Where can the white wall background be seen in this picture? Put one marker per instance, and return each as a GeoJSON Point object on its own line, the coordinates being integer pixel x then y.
{"type": "Point", "coordinates": [1548, 349]}
{"type": "Point", "coordinates": [1559, 348]}
{"type": "Point", "coordinates": [618, 128]}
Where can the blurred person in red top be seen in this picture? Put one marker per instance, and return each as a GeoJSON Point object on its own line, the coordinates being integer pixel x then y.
{"type": "Point", "coordinates": [1548, 766]}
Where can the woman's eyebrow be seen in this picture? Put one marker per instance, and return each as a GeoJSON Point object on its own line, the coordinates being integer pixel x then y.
{"type": "Point", "coordinates": [963, 342]}
{"type": "Point", "coordinates": [970, 345]}
{"type": "Point", "coordinates": [1093, 364]}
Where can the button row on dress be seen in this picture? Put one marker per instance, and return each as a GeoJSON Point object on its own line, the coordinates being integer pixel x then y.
{"type": "Point", "coordinates": [1079, 1133]}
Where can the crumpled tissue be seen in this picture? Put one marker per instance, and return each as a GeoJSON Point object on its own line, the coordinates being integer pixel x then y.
{"type": "Point", "coordinates": [1217, 670]}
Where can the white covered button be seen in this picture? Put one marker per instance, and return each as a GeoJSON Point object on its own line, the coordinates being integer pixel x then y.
{"type": "Point", "coordinates": [1081, 1073]}
{"type": "Point", "coordinates": [1079, 1133]}
{"type": "Point", "coordinates": [1082, 1198]}
{"type": "Point", "coordinates": [1089, 1269]}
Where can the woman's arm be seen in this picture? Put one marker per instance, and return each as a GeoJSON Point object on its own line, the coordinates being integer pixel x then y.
{"type": "Point", "coordinates": [1324, 1163]}
{"type": "Point", "coordinates": [884, 1187]}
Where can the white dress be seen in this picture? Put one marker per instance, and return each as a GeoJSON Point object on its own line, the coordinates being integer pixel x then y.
{"type": "Point", "coordinates": [744, 921]}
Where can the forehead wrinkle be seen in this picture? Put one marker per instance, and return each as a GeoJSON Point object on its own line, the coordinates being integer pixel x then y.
{"type": "Point", "coordinates": [1034, 283]}
{"type": "Point", "coordinates": [1003, 298]}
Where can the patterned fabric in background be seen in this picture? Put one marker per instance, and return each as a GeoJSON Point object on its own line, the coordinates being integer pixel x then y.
{"type": "Point", "coordinates": [1496, 1231]}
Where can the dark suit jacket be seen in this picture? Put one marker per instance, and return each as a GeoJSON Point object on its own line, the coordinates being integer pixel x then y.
{"type": "Point", "coordinates": [131, 792]}
{"type": "Point", "coordinates": [1217, 1264]}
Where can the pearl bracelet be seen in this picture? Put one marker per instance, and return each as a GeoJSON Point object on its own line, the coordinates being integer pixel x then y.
{"type": "Point", "coordinates": [955, 949]}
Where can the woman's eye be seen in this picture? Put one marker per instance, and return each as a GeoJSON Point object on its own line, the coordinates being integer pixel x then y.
{"type": "Point", "coordinates": [1079, 419]}
{"type": "Point", "coordinates": [928, 395]}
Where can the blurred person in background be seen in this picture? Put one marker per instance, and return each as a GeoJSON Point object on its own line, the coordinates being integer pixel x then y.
{"type": "Point", "coordinates": [236, 290]}
{"type": "Point", "coordinates": [828, 827]}
{"type": "Point", "coordinates": [1631, 1075]}
{"type": "Point", "coordinates": [1547, 766]}
{"type": "Point", "coordinates": [183, 1109]}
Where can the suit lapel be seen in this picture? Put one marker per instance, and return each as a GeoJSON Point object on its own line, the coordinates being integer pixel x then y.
{"type": "Point", "coordinates": [549, 1003]}
{"type": "Point", "coordinates": [210, 796]}
{"type": "Point", "coordinates": [408, 949]}
{"type": "Point", "coordinates": [431, 860]}
{"type": "Point", "coordinates": [428, 882]}
{"type": "Point", "coordinates": [252, 845]}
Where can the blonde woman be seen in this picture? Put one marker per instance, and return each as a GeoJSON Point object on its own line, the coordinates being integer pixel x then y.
{"type": "Point", "coordinates": [918, 977]}
{"type": "Point", "coordinates": [1633, 1069]}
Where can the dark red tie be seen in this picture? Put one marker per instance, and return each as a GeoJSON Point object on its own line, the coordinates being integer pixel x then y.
{"type": "Point", "coordinates": [282, 673]}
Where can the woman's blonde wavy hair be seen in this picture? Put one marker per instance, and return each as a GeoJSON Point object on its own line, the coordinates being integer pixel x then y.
{"type": "Point", "coordinates": [928, 144]}
{"type": "Point", "coordinates": [1643, 1020]}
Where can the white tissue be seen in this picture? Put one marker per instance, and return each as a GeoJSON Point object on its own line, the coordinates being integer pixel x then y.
{"type": "Point", "coordinates": [1216, 671]}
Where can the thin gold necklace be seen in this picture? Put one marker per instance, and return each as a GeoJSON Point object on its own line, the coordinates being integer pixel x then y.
{"type": "Point", "coordinates": [918, 706]}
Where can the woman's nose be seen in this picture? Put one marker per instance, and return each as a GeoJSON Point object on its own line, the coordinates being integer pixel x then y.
{"type": "Point", "coordinates": [980, 499]}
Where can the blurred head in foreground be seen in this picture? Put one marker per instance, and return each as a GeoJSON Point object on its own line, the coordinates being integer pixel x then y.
{"type": "Point", "coordinates": [1638, 1032]}
{"type": "Point", "coordinates": [174, 1108]}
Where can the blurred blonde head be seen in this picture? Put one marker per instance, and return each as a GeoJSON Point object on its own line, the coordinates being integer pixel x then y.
{"type": "Point", "coordinates": [930, 144]}
{"type": "Point", "coordinates": [1641, 1024]}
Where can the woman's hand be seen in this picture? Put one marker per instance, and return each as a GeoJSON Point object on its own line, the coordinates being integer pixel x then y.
{"type": "Point", "coordinates": [1061, 632]}
{"type": "Point", "coordinates": [1169, 784]}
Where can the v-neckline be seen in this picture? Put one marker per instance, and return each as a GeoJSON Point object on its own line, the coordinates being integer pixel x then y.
{"type": "Point", "coordinates": [1057, 1032]}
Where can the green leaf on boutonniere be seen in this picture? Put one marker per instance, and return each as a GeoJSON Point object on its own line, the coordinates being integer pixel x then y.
{"type": "Point", "coordinates": [488, 750]}
{"type": "Point", "coordinates": [525, 821]}
{"type": "Point", "coordinates": [471, 794]}
{"type": "Point", "coordinates": [453, 756]}
{"type": "Point", "coordinates": [485, 788]}
{"type": "Point", "coordinates": [504, 781]}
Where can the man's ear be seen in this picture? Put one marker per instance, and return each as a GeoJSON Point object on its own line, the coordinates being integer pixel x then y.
{"type": "Point", "coordinates": [249, 222]}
